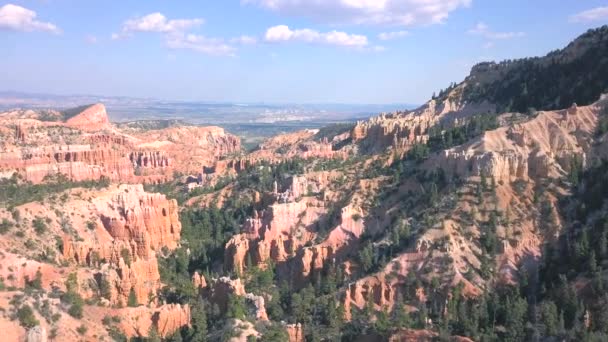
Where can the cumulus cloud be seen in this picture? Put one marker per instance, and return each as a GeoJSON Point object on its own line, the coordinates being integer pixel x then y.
{"type": "Point", "coordinates": [282, 33]}
{"type": "Point", "coordinates": [158, 23]}
{"type": "Point", "coordinates": [392, 35]}
{"type": "Point", "coordinates": [373, 12]}
{"type": "Point", "coordinates": [17, 18]}
{"type": "Point", "coordinates": [199, 43]}
{"type": "Point", "coordinates": [594, 14]}
{"type": "Point", "coordinates": [176, 36]}
{"type": "Point", "coordinates": [481, 29]}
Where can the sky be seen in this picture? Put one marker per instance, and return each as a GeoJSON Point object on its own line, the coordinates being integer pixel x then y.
{"type": "Point", "coordinates": [274, 51]}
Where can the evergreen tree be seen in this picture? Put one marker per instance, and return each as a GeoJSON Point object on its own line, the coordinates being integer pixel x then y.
{"type": "Point", "coordinates": [132, 300]}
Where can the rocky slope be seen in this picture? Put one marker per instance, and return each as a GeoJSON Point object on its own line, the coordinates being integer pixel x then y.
{"type": "Point", "coordinates": [109, 240]}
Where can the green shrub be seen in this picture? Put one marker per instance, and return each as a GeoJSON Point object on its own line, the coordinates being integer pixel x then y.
{"type": "Point", "coordinates": [82, 329]}
{"type": "Point", "coordinates": [91, 225]}
{"type": "Point", "coordinates": [26, 317]}
{"type": "Point", "coordinates": [76, 309]}
{"type": "Point", "coordinates": [39, 225]}
{"type": "Point", "coordinates": [5, 226]}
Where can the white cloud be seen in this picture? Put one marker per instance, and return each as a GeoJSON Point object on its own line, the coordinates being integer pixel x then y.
{"type": "Point", "coordinates": [594, 14]}
{"type": "Point", "coordinates": [244, 40]}
{"type": "Point", "coordinates": [199, 43]}
{"type": "Point", "coordinates": [283, 33]}
{"type": "Point", "coordinates": [17, 18]}
{"type": "Point", "coordinates": [392, 35]}
{"type": "Point", "coordinates": [373, 12]}
{"type": "Point", "coordinates": [174, 33]}
{"type": "Point", "coordinates": [483, 30]}
{"type": "Point", "coordinates": [158, 23]}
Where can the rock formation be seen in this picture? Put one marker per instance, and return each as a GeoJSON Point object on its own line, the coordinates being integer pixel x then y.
{"type": "Point", "coordinates": [93, 118]}
{"type": "Point", "coordinates": [88, 147]}
{"type": "Point", "coordinates": [295, 332]}
{"type": "Point", "coordinates": [136, 226]}
{"type": "Point", "coordinates": [400, 130]}
{"type": "Point", "coordinates": [542, 147]}
{"type": "Point", "coordinates": [219, 290]}
{"type": "Point", "coordinates": [166, 319]}
{"type": "Point", "coordinates": [37, 334]}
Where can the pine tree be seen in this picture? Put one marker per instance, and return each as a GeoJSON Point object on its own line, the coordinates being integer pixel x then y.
{"type": "Point", "coordinates": [236, 307]}
{"type": "Point", "coordinates": [603, 244]}
{"type": "Point", "coordinates": [592, 263]}
{"type": "Point", "coordinates": [132, 301]}
{"type": "Point", "coordinates": [198, 330]}
{"type": "Point", "coordinates": [433, 194]}
{"type": "Point", "coordinates": [153, 334]}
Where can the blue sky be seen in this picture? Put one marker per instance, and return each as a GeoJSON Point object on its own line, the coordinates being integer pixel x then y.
{"type": "Point", "coordinates": [283, 51]}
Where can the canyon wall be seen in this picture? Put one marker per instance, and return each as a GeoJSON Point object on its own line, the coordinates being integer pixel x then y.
{"type": "Point", "coordinates": [136, 225]}
{"type": "Point", "coordinates": [88, 147]}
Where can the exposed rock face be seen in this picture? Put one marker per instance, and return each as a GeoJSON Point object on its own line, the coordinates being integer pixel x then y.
{"type": "Point", "coordinates": [198, 280]}
{"type": "Point", "coordinates": [169, 318]}
{"type": "Point", "coordinates": [270, 235]}
{"type": "Point", "coordinates": [189, 149]}
{"type": "Point", "coordinates": [401, 130]}
{"type": "Point", "coordinates": [166, 319]}
{"type": "Point", "coordinates": [149, 219]}
{"type": "Point", "coordinates": [136, 225]}
{"type": "Point", "coordinates": [37, 334]}
{"type": "Point", "coordinates": [219, 291]}
{"type": "Point", "coordinates": [410, 335]}
{"type": "Point", "coordinates": [93, 118]}
{"type": "Point", "coordinates": [76, 162]}
{"type": "Point", "coordinates": [284, 232]}
{"type": "Point", "coordinates": [88, 147]}
{"type": "Point", "coordinates": [258, 306]}
{"type": "Point", "coordinates": [381, 289]}
{"type": "Point", "coordinates": [295, 332]}
{"type": "Point", "coordinates": [149, 159]}
{"type": "Point", "coordinates": [542, 147]}
{"type": "Point", "coordinates": [137, 220]}
{"type": "Point", "coordinates": [299, 144]}
{"type": "Point", "coordinates": [141, 277]}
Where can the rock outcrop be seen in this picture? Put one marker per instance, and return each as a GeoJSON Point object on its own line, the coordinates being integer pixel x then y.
{"type": "Point", "coordinates": [383, 288]}
{"type": "Point", "coordinates": [93, 118]}
{"type": "Point", "coordinates": [542, 147]}
{"type": "Point", "coordinates": [136, 225]}
{"type": "Point", "coordinates": [88, 147]}
{"type": "Point", "coordinates": [295, 332]}
{"type": "Point", "coordinates": [166, 319]}
{"type": "Point", "coordinates": [37, 334]}
{"type": "Point", "coordinates": [401, 130]}
{"type": "Point", "coordinates": [273, 234]}
{"type": "Point", "coordinates": [219, 291]}
{"type": "Point", "coordinates": [284, 147]}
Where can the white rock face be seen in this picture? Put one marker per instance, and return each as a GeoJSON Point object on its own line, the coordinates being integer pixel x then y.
{"type": "Point", "coordinates": [37, 334]}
